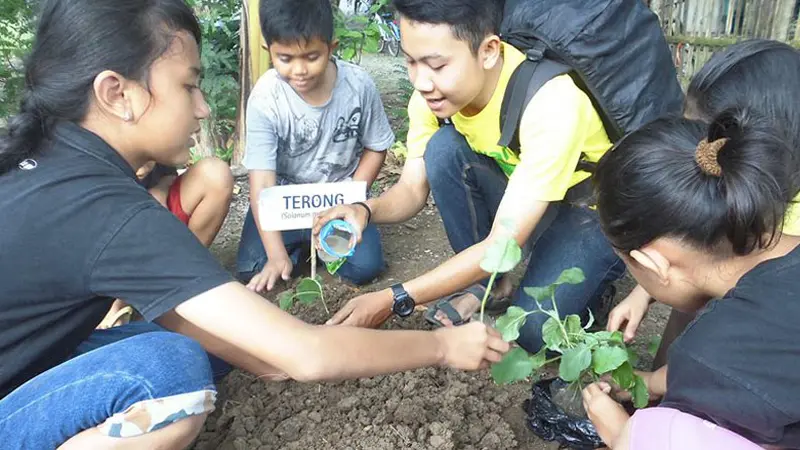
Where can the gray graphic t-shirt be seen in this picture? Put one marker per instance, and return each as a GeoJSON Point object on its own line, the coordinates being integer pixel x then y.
{"type": "Point", "coordinates": [308, 144]}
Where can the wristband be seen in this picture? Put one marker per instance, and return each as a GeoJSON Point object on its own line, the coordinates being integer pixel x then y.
{"type": "Point", "coordinates": [369, 211]}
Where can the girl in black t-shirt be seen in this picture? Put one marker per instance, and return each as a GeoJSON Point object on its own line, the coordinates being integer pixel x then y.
{"type": "Point", "coordinates": [696, 213]}
{"type": "Point", "coordinates": [109, 86]}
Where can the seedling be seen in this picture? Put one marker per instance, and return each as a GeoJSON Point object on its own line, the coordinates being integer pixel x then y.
{"type": "Point", "coordinates": [582, 355]}
{"type": "Point", "coordinates": [308, 290]}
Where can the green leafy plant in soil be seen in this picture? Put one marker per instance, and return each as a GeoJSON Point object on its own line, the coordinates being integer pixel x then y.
{"type": "Point", "coordinates": [307, 292]}
{"type": "Point", "coordinates": [582, 355]}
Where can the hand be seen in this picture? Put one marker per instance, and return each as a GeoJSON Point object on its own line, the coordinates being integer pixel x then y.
{"type": "Point", "coordinates": [280, 267]}
{"type": "Point", "coordinates": [472, 346]}
{"type": "Point", "coordinates": [355, 215]}
{"type": "Point", "coordinates": [608, 416]}
{"type": "Point", "coordinates": [367, 311]}
{"type": "Point", "coordinates": [631, 310]}
{"type": "Point", "coordinates": [622, 395]}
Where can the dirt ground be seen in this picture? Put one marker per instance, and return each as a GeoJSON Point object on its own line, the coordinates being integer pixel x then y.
{"type": "Point", "coordinates": [422, 409]}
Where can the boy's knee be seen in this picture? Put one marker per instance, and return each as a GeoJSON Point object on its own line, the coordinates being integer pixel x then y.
{"type": "Point", "coordinates": [443, 150]}
{"type": "Point", "coordinates": [530, 335]}
{"type": "Point", "coordinates": [216, 175]}
{"type": "Point", "coordinates": [364, 273]}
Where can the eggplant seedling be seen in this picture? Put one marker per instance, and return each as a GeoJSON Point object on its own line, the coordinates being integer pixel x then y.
{"type": "Point", "coordinates": [582, 355]}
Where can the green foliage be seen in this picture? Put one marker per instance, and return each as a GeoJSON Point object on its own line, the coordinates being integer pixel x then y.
{"type": "Point", "coordinates": [583, 355]}
{"type": "Point", "coordinates": [220, 22]}
{"type": "Point", "coordinates": [357, 33]}
{"type": "Point", "coordinates": [308, 291]}
{"type": "Point", "coordinates": [16, 38]}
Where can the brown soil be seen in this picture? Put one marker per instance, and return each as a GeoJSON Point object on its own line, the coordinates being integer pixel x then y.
{"type": "Point", "coordinates": [422, 409]}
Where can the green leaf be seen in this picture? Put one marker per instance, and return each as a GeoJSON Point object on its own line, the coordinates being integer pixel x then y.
{"type": "Point", "coordinates": [609, 336]}
{"type": "Point", "coordinates": [551, 334]}
{"type": "Point", "coordinates": [574, 362]}
{"type": "Point", "coordinates": [624, 376]}
{"type": "Point", "coordinates": [348, 53]}
{"type": "Point", "coordinates": [371, 46]}
{"type": "Point", "coordinates": [308, 291]}
{"type": "Point", "coordinates": [640, 394]}
{"type": "Point", "coordinates": [573, 325]}
{"type": "Point", "coordinates": [502, 256]}
{"type": "Point", "coordinates": [605, 359]}
{"type": "Point", "coordinates": [286, 299]}
{"type": "Point", "coordinates": [539, 358]}
{"type": "Point", "coordinates": [571, 276]}
{"type": "Point", "coordinates": [653, 345]}
{"type": "Point", "coordinates": [540, 294]}
{"type": "Point", "coordinates": [633, 358]}
{"type": "Point", "coordinates": [509, 323]}
{"type": "Point", "coordinates": [515, 366]}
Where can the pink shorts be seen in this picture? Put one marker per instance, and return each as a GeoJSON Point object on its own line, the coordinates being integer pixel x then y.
{"type": "Point", "coordinates": [669, 429]}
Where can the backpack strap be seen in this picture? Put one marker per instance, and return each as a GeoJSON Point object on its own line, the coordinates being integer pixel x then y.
{"type": "Point", "coordinates": [524, 83]}
{"type": "Point", "coordinates": [526, 80]}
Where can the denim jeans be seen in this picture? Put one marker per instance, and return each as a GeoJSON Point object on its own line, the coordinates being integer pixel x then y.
{"type": "Point", "coordinates": [109, 372]}
{"type": "Point", "coordinates": [360, 268]}
{"type": "Point", "coordinates": [468, 188]}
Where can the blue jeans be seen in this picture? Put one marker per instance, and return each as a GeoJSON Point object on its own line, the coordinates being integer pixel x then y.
{"type": "Point", "coordinates": [468, 188]}
{"type": "Point", "coordinates": [110, 371]}
{"type": "Point", "coordinates": [361, 268]}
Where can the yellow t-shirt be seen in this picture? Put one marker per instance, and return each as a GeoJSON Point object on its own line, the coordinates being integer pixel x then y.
{"type": "Point", "coordinates": [557, 126]}
{"type": "Point", "coordinates": [791, 223]}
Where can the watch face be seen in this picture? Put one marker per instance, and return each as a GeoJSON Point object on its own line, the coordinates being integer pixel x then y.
{"type": "Point", "coordinates": [404, 307]}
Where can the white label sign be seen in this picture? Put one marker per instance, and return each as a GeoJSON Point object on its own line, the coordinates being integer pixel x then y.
{"type": "Point", "coordinates": [293, 207]}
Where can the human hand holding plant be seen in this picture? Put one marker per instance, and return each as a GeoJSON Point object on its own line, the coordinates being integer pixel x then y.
{"type": "Point", "coordinates": [583, 355]}
{"type": "Point", "coordinates": [471, 347]}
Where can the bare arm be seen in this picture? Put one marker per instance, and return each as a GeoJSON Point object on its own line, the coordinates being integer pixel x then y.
{"type": "Point", "coordinates": [400, 203]}
{"type": "Point", "coordinates": [244, 329]}
{"type": "Point", "coordinates": [406, 198]}
{"type": "Point", "coordinates": [463, 269]}
{"type": "Point", "coordinates": [369, 166]}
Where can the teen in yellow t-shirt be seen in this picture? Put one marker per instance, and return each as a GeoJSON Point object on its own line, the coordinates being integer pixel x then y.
{"type": "Point", "coordinates": [460, 69]}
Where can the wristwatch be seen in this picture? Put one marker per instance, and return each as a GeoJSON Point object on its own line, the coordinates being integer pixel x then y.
{"type": "Point", "coordinates": [403, 304]}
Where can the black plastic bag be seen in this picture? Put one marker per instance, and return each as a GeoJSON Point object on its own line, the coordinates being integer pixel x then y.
{"type": "Point", "coordinates": [548, 421]}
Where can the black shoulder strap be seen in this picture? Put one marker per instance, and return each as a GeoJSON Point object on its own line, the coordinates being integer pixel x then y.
{"type": "Point", "coordinates": [526, 80]}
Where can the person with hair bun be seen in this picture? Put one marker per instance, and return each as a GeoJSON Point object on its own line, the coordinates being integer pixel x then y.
{"type": "Point", "coordinates": [696, 212]}
{"type": "Point", "coordinates": [755, 74]}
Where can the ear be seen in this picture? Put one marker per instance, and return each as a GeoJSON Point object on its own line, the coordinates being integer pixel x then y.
{"type": "Point", "coordinates": [490, 51]}
{"type": "Point", "coordinates": [654, 261]}
{"type": "Point", "coordinates": [112, 96]}
{"type": "Point", "coordinates": [333, 46]}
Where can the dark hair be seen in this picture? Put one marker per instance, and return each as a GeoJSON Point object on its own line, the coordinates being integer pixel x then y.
{"type": "Point", "coordinates": [75, 41]}
{"type": "Point", "coordinates": [757, 74]}
{"type": "Point", "coordinates": [470, 20]}
{"type": "Point", "coordinates": [296, 20]}
{"type": "Point", "coordinates": [650, 185]}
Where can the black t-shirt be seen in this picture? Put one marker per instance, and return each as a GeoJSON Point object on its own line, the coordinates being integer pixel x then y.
{"type": "Point", "coordinates": [77, 231]}
{"type": "Point", "coordinates": [738, 363]}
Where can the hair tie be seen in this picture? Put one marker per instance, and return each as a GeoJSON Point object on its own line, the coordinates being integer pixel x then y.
{"type": "Point", "coordinates": [706, 156]}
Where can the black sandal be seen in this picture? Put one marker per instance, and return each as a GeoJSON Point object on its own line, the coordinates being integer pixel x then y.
{"type": "Point", "coordinates": [493, 306]}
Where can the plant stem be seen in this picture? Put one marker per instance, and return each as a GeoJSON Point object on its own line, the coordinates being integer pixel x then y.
{"type": "Point", "coordinates": [314, 262]}
{"type": "Point", "coordinates": [560, 322]}
{"type": "Point", "coordinates": [486, 294]}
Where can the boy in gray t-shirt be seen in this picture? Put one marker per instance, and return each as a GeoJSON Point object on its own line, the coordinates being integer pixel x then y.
{"type": "Point", "coordinates": [310, 119]}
